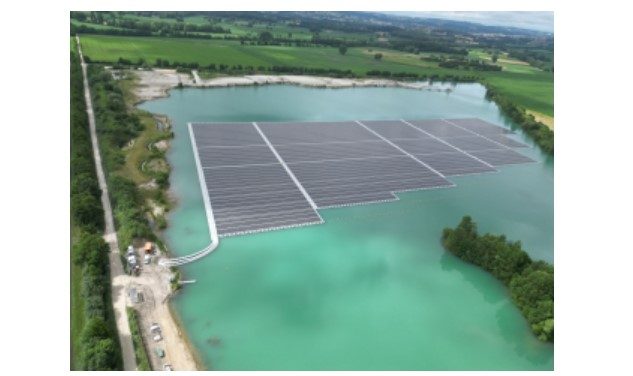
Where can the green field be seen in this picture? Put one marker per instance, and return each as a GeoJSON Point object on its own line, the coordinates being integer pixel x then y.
{"type": "Point", "coordinates": [509, 64]}
{"type": "Point", "coordinates": [528, 86]}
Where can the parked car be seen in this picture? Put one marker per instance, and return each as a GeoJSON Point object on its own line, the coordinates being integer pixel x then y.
{"type": "Point", "coordinates": [159, 352]}
{"type": "Point", "coordinates": [131, 260]}
{"type": "Point", "coordinates": [154, 328]}
{"type": "Point", "coordinates": [136, 296]}
{"type": "Point", "coordinates": [157, 337]}
{"type": "Point", "coordinates": [167, 367]}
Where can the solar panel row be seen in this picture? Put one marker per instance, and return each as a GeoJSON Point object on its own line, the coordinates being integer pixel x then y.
{"type": "Point", "coordinates": [262, 176]}
{"type": "Point", "coordinates": [342, 163]}
{"type": "Point", "coordinates": [485, 142]}
{"type": "Point", "coordinates": [346, 182]}
{"type": "Point", "coordinates": [430, 149]}
{"type": "Point", "coordinates": [249, 190]}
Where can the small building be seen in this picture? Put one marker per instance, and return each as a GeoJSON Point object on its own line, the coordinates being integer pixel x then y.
{"type": "Point", "coordinates": [148, 248]}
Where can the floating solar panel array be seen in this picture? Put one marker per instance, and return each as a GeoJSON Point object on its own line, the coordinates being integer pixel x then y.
{"type": "Point", "coordinates": [249, 189]}
{"type": "Point", "coordinates": [264, 176]}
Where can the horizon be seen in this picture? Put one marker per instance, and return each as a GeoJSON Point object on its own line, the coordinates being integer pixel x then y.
{"type": "Point", "coordinates": [529, 20]}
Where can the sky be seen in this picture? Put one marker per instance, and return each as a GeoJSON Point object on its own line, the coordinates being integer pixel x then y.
{"type": "Point", "coordinates": [541, 21]}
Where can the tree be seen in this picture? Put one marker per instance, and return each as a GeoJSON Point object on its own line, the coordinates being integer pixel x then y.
{"type": "Point", "coordinates": [86, 210]}
{"type": "Point", "coordinates": [265, 36]}
{"type": "Point", "coordinates": [100, 356]}
{"type": "Point", "coordinates": [342, 49]}
{"type": "Point", "coordinates": [378, 56]}
{"type": "Point", "coordinates": [531, 283]}
{"type": "Point", "coordinates": [90, 250]}
{"type": "Point", "coordinates": [495, 57]}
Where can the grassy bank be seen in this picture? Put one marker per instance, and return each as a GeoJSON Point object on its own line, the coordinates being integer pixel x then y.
{"type": "Point", "coordinates": [118, 126]}
{"type": "Point", "coordinates": [140, 349]}
{"type": "Point", "coordinates": [528, 87]}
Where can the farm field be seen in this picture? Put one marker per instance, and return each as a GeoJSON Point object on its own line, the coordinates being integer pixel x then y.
{"type": "Point", "coordinates": [528, 86]}
{"type": "Point", "coordinates": [238, 28]}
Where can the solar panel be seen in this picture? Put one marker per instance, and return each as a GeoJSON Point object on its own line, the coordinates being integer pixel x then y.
{"type": "Point", "coordinates": [290, 133]}
{"type": "Point", "coordinates": [235, 156]}
{"type": "Point", "coordinates": [340, 150]}
{"type": "Point", "coordinates": [394, 129]}
{"type": "Point", "coordinates": [472, 143]}
{"type": "Point", "coordinates": [455, 163]}
{"type": "Point", "coordinates": [248, 188]}
{"type": "Point", "coordinates": [507, 141]}
{"type": "Point", "coordinates": [424, 146]}
{"type": "Point", "coordinates": [226, 134]}
{"type": "Point", "coordinates": [440, 128]}
{"type": "Point", "coordinates": [479, 126]}
{"type": "Point", "coordinates": [500, 157]}
{"type": "Point", "coordinates": [265, 176]}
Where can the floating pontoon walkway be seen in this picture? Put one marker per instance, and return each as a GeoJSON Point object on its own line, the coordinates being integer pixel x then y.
{"type": "Point", "coordinates": [266, 176]}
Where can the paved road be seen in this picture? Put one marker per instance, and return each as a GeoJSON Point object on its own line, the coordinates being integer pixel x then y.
{"type": "Point", "coordinates": [119, 278]}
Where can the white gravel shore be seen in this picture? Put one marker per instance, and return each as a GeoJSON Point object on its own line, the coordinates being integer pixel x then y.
{"type": "Point", "coordinates": [156, 83]}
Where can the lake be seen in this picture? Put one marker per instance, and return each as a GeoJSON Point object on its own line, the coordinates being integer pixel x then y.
{"type": "Point", "coordinates": [372, 288]}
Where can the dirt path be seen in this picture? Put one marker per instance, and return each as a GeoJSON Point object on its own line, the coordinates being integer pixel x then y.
{"type": "Point", "coordinates": [116, 269]}
{"type": "Point", "coordinates": [154, 283]}
{"type": "Point", "coordinates": [196, 77]}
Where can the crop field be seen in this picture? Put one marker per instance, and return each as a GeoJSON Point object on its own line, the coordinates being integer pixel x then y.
{"type": "Point", "coordinates": [509, 64]}
{"type": "Point", "coordinates": [528, 86]}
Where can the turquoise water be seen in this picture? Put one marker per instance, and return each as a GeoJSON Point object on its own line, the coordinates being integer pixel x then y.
{"type": "Point", "coordinates": [372, 288]}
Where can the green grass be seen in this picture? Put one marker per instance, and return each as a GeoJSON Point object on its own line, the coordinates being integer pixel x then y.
{"type": "Point", "coordinates": [532, 91]}
{"type": "Point", "coordinates": [529, 87]}
{"type": "Point", "coordinates": [509, 64]}
{"type": "Point", "coordinates": [138, 152]}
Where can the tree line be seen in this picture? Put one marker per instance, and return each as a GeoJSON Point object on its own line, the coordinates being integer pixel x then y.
{"type": "Point", "coordinates": [123, 63]}
{"type": "Point", "coordinates": [531, 283]}
{"type": "Point", "coordinates": [469, 64]}
{"type": "Point", "coordinates": [98, 343]}
{"type": "Point", "coordinates": [156, 27]}
{"type": "Point", "coordinates": [116, 127]}
{"type": "Point", "coordinates": [542, 135]}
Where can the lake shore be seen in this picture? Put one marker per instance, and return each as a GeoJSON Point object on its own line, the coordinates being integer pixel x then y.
{"type": "Point", "coordinates": [156, 83]}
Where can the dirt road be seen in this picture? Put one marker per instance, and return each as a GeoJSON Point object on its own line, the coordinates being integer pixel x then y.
{"type": "Point", "coordinates": [116, 268]}
{"type": "Point", "coordinates": [154, 281]}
